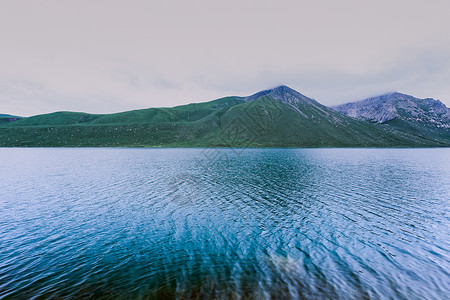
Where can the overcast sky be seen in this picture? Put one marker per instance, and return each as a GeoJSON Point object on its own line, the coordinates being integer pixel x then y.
{"type": "Point", "coordinates": [104, 56]}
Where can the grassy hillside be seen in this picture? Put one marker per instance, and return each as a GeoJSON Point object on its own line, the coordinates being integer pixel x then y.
{"type": "Point", "coordinates": [275, 118]}
{"type": "Point", "coordinates": [187, 125]}
{"type": "Point", "coordinates": [266, 122]}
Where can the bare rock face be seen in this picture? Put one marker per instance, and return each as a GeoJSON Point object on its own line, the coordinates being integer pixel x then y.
{"type": "Point", "coordinates": [381, 109]}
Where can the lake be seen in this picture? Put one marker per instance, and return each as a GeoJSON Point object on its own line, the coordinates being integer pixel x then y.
{"type": "Point", "coordinates": [224, 223]}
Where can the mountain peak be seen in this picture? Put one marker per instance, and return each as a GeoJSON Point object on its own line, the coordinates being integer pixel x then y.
{"type": "Point", "coordinates": [386, 107]}
{"type": "Point", "coordinates": [281, 93]}
{"type": "Point", "coordinates": [391, 96]}
{"type": "Point", "coordinates": [398, 99]}
{"type": "Point", "coordinates": [281, 89]}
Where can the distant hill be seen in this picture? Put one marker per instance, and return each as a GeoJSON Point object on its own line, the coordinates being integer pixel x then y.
{"type": "Point", "coordinates": [278, 117]}
{"type": "Point", "coordinates": [421, 117]}
{"type": "Point", "coordinates": [8, 116]}
{"type": "Point", "coordinates": [4, 118]}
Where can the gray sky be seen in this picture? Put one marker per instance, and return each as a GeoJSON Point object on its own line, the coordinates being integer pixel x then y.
{"type": "Point", "coordinates": [104, 56]}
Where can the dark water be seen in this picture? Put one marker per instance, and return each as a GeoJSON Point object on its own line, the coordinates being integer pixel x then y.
{"type": "Point", "coordinates": [227, 224]}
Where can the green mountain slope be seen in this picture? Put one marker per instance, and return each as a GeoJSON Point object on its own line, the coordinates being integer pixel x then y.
{"type": "Point", "coordinates": [279, 117]}
{"type": "Point", "coordinates": [282, 117]}
{"type": "Point", "coordinates": [186, 125]}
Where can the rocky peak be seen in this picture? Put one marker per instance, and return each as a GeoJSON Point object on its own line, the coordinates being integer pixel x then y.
{"type": "Point", "coordinates": [389, 106]}
{"type": "Point", "coordinates": [282, 93]}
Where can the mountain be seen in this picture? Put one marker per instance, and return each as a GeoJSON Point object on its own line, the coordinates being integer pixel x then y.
{"type": "Point", "coordinates": [282, 117]}
{"type": "Point", "coordinates": [421, 117]}
{"type": "Point", "coordinates": [278, 117]}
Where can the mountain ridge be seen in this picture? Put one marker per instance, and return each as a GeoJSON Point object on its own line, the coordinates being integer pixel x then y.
{"type": "Point", "coordinates": [277, 117]}
{"type": "Point", "coordinates": [423, 117]}
{"type": "Point", "coordinates": [386, 107]}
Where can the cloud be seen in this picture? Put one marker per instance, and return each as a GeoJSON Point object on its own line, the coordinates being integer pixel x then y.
{"type": "Point", "coordinates": [108, 56]}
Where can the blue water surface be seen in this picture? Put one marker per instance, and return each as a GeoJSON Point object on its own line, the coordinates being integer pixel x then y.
{"type": "Point", "coordinates": [224, 223]}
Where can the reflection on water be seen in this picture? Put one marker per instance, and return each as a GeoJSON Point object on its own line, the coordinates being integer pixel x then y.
{"type": "Point", "coordinates": [255, 224]}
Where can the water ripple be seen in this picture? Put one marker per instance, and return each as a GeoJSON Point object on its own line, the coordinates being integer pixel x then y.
{"type": "Point", "coordinates": [264, 224]}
